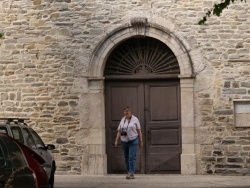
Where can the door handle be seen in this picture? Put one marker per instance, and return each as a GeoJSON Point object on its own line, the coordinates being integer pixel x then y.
{"type": "Point", "coordinates": [149, 135]}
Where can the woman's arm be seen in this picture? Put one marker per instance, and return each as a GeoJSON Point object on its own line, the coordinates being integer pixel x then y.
{"type": "Point", "coordinates": [140, 138]}
{"type": "Point", "coordinates": [117, 138]}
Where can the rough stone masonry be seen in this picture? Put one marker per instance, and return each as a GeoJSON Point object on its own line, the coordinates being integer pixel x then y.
{"type": "Point", "coordinates": [45, 62]}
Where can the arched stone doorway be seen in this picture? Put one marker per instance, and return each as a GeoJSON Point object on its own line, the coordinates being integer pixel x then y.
{"type": "Point", "coordinates": [142, 73]}
{"type": "Point", "coordinates": [138, 27]}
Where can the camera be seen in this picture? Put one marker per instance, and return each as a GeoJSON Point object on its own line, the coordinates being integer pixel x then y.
{"type": "Point", "coordinates": [123, 133]}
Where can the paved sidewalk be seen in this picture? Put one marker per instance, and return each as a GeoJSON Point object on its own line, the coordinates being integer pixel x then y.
{"type": "Point", "coordinates": [152, 181]}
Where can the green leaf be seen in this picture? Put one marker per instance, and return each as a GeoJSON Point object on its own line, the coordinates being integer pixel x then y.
{"type": "Point", "coordinates": [217, 10]}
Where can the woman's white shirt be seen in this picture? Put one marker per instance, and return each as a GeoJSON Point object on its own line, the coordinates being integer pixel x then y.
{"type": "Point", "coordinates": [130, 126]}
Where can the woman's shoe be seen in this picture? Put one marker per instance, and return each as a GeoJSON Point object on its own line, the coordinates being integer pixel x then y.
{"type": "Point", "coordinates": [130, 176]}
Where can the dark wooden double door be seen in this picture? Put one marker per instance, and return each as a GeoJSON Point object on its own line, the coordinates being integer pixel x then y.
{"type": "Point", "coordinates": [157, 106]}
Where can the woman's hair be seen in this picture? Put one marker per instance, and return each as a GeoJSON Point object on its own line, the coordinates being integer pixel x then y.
{"type": "Point", "coordinates": [127, 108]}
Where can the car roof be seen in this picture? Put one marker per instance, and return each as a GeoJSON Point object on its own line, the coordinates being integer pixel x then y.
{"type": "Point", "coordinates": [11, 121]}
{"type": "Point", "coordinates": [13, 125]}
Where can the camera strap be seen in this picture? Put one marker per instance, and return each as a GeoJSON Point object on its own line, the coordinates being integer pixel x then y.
{"type": "Point", "coordinates": [127, 124]}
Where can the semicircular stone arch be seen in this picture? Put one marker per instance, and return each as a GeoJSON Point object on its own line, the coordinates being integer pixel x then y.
{"type": "Point", "coordinates": [144, 27]}
{"type": "Point", "coordinates": [141, 27]}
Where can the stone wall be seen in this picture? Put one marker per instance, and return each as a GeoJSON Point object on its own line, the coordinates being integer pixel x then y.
{"type": "Point", "coordinates": [224, 147]}
{"type": "Point", "coordinates": [44, 69]}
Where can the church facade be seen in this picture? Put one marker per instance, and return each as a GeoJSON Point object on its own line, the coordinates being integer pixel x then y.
{"type": "Point", "coordinates": [70, 66]}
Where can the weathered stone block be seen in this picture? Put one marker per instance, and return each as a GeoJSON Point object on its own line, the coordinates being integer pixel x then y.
{"type": "Point", "coordinates": [234, 160]}
{"type": "Point", "coordinates": [62, 140]}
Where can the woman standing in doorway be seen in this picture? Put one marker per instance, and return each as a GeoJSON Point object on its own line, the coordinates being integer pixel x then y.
{"type": "Point", "coordinates": [129, 131]}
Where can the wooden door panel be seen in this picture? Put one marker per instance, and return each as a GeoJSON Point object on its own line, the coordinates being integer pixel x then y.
{"type": "Point", "coordinates": [118, 95]}
{"type": "Point", "coordinates": [161, 149]}
{"type": "Point", "coordinates": [158, 137]}
{"type": "Point", "coordinates": [165, 162]}
{"type": "Point", "coordinates": [163, 127]}
{"type": "Point", "coordinates": [165, 98]}
{"type": "Point", "coordinates": [121, 96]}
{"type": "Point", "coordinates": [116, 162]}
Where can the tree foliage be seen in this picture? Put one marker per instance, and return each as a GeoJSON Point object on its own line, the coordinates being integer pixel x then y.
{"type": "Point", "coordinates": [217, 10]}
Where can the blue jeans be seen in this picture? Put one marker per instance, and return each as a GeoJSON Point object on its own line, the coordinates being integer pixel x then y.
{"type": "Point", "coordinates": [130, 151]}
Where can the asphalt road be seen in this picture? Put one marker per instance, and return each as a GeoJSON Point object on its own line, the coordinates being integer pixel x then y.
{"type": "Point", "coordinates": [151, 181]}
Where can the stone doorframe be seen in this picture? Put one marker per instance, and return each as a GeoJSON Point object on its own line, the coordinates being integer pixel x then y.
{"type": "Point", "coordinates": [189, 62]}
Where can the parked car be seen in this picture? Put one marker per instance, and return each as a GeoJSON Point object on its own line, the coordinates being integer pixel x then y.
{"type": "Point", "coordinates": [14, 169]}
{"type": "Point", "coordinates": [18, 129]}
{"type": "Point", "coordinates": [35, 162]}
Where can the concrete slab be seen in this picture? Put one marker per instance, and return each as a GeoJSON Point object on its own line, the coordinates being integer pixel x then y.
{"type": "Point", "coordinates": [151, 181]}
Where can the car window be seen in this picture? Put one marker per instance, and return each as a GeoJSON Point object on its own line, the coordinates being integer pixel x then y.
{"type": "Point", "coordinates": [17, 134]}
{"type": "Point", "coordinates": [28, 138]}
{"type": "Point", "coordinates": [38, 140]}
{"type": "Point", "coordinates": [3, 130]}
{"type": "Point", "coordinates": [16, 154]}
{"type": "Point", "coordinates": [2, 161]}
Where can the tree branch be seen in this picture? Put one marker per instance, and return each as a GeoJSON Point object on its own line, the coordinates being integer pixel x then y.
{"type": "Point", "coordinates": [217, 10]}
